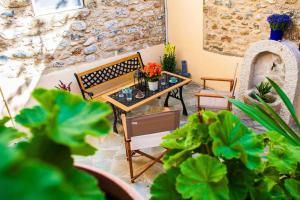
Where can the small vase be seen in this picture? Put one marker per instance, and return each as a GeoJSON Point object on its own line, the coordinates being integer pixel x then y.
{"type": "Point", "coordinates": [276, 35]}
{"type": "Point", "coordinates": [153, 86]}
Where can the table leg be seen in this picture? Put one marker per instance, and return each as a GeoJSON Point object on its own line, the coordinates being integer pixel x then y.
{"type": "Point", "coordinates": [177, 94]}
{"type": "Point", "coordinates": [182, 102]}
{"type": "Point", "coordinates": [115, 118]}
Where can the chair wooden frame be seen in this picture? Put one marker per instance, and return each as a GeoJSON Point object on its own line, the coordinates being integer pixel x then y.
{"type": "Point", "coordinates": [132, 153]}
{"type": "Point", "coordinates": [232, 85]}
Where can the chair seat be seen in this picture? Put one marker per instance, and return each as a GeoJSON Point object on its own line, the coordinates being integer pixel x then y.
{"type": "Point", "coordinates": [147, 141]}
{"type": "Point", "coordinates": [216, 92]}
{"type": "Point", "coordinates": [212, 103]}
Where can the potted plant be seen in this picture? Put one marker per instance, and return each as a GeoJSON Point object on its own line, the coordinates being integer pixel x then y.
{"type": "Point", "coordinates": [40, 165]}
{"type": "Point", "coordinates": [278, 24]}
{"type": "Point", "coordinates": [264, 92]}
{"type": "Point", "coordinates": [152, 72]}
{"type": "Point", "coordinates": [169, 58]}
{"type": "Point", "coordinates": [215, 156]}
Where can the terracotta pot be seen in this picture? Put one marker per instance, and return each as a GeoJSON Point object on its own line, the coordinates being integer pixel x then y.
{"type": "Point", "coordinates": [153, 86]}
{"type": "Point", "coordinates": [113, 187]}
{"type": "Point", "coordinates": [275, 105]}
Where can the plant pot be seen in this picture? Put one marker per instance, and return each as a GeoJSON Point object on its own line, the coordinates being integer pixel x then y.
{"type": "Point", "coordinates": [276, 35]}
{"type": "Point", "coordinates": [276, 105]}
{"type": "Point", "coordinates": [114, 188]}
{"type": "Point", "coordinates": [153, 86]}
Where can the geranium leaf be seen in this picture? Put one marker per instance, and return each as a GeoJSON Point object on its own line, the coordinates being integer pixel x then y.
{"type": "Point", "coordinates": [175, 157]}
{"type": "Point", "coordinates": [293, 187]}
{"type": "Point", "coordinates": [204, 178]}
{"type": "Point", "coordinates": [34, 180]}
{"type": "Point", "coordinates": [282, 155]}
{"type": "Point", "coordinates": [68, 119]}
{"type": "Point", "coordinates": [7, 134]}
{"type": "Point", "coordinates": [164, 187]}
{"type": "Point", "coordinates": [32, 117]}
{"type": "Point", "coordinates": [240, 178]}
{"type": "Point", "coordinates": [232, 139]}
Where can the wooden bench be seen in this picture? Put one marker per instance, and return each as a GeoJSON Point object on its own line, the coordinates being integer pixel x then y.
{"type": "Point", "coordinates": [96, 82]}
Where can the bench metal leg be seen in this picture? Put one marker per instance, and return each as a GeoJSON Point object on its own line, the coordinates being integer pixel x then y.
{"type": "Point", "coordinates": [177, 94]}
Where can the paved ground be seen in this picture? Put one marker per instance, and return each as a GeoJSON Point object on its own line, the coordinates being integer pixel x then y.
{"type": "Point", "coordinates": [111, 151]}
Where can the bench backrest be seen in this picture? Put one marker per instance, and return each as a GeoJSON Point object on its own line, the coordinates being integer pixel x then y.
{"type": "Point", "coordinates": [104, 78]}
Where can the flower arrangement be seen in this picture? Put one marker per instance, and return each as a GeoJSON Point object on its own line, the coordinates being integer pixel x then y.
{"type": "Point", "coordinates": [152, 72]}
{"type": "Point", "coordinates": [280, 21]}
{"type": "Point", "coordinates": [169, 59]}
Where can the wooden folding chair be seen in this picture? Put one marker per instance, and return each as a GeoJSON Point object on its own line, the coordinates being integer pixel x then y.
{"type": "Point", "coordinates": [146, 132]}
{"type": "Point", "coordinates": [215, 99]}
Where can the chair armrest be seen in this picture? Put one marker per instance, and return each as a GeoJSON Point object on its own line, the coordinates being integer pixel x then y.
{"type": "Point", "coordinates": [217, 79]}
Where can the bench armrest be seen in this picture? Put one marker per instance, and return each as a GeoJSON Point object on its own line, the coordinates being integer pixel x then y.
{"type": "Point", "coordinates": [88, 93]}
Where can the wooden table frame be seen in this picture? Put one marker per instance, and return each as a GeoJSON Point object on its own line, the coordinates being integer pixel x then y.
{"type": "Point", "coordinates": [174, 92]}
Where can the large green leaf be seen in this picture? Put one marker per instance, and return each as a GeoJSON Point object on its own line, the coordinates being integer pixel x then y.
{"type": "Point", "coordinates": [204, 178]}
{"type": "Point", "coordinates": [7, 134]}
{"type": "Point", "coordinates": [183, 141]}
{"type": "Point", "coordinates": [240, 178]}
{"type": "Point", "coordinates": [67, 118]}
{"type": "Point", "coordinates": [34, 180]}
{"type": "Point", "coordinates": [287, 131]}
{"type": "Point", "coordinates": [282, 155]}
{"type": "Point", "coordinates": [232, 139]}
{"type": "Point", "coordinates": [164, 187]}
{"type": "Point", "coordinates": [293, 187]}
{"type": "Point", "coordinates": [286, 101]}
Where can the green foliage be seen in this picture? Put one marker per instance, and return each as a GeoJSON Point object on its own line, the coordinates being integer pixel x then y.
{"type": "Point", "coordinates": [267, 117]}
{"type": "Point", "coordinates": [215, 156]}
{"type": "Point", "coordinates": [204, 178]}
{"type": "Point", "coordinates": [58, 128]}
{"type": "Point", "coordinates": [169, 58]}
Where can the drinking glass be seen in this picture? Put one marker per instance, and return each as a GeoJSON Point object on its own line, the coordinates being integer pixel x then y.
{"type": "Point", "coordinates": [163, 80]}
{"type": "Point", "coordinates": [129, 94]}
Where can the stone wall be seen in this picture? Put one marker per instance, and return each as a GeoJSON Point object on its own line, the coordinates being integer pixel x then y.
{"type": "Point", "coordinates": [231, 25]}
{"type": "Point", "coordinates": [30, 46]}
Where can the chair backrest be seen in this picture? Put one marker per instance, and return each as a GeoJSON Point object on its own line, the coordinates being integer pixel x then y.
{"type": "Point", "coordinates": [235, 80]}
{"type": "Point", "coordinates": [152, 123]}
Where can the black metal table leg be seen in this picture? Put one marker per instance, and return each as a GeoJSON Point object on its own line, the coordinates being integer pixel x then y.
{"type": "Point", "coordinates": [177, 94]}
{"type": "Point", "coordinates": [115, 118]}
{"type": "Point", "coordinates": [184, 112]}
{"type": "Point", "coordinates": [167, 100]}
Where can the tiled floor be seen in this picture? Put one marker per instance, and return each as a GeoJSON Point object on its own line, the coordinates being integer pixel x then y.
{"type": "Point", "coordinates": [111, 151]}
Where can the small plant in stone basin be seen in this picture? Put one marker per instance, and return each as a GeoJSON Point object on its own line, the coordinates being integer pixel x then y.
{"type": "Point", "coordinates": [215, 156]}
{"type": "Point", "coordinates": [41, 167]}
{"type": "Point", "coordinates": [264, 92]}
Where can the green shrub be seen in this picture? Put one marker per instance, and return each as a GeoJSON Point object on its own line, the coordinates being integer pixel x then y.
{"type": "Point", "coordinates": [41, 167]}
{"type": "Point", "coordinates": [169, 58]}
{"type": "Point", "coordinates": [215, 156]}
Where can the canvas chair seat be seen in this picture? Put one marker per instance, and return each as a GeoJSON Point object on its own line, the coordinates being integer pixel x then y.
{"type": "Point", "coordinates": [210, 103]}
{"type": "Point", "coordinates": [147, 141]}
{"type": "Point", "coordinates": [145, 132]}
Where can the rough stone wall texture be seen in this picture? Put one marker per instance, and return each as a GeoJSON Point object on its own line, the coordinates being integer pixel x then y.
{"type": "Point", "coordinates": [32, 45]}
{"type": "Point", "coordinates": [231, 25]}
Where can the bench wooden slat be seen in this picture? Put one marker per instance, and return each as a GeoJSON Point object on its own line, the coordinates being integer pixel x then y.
{"type": "Point", "coordinates": [107, 77]}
